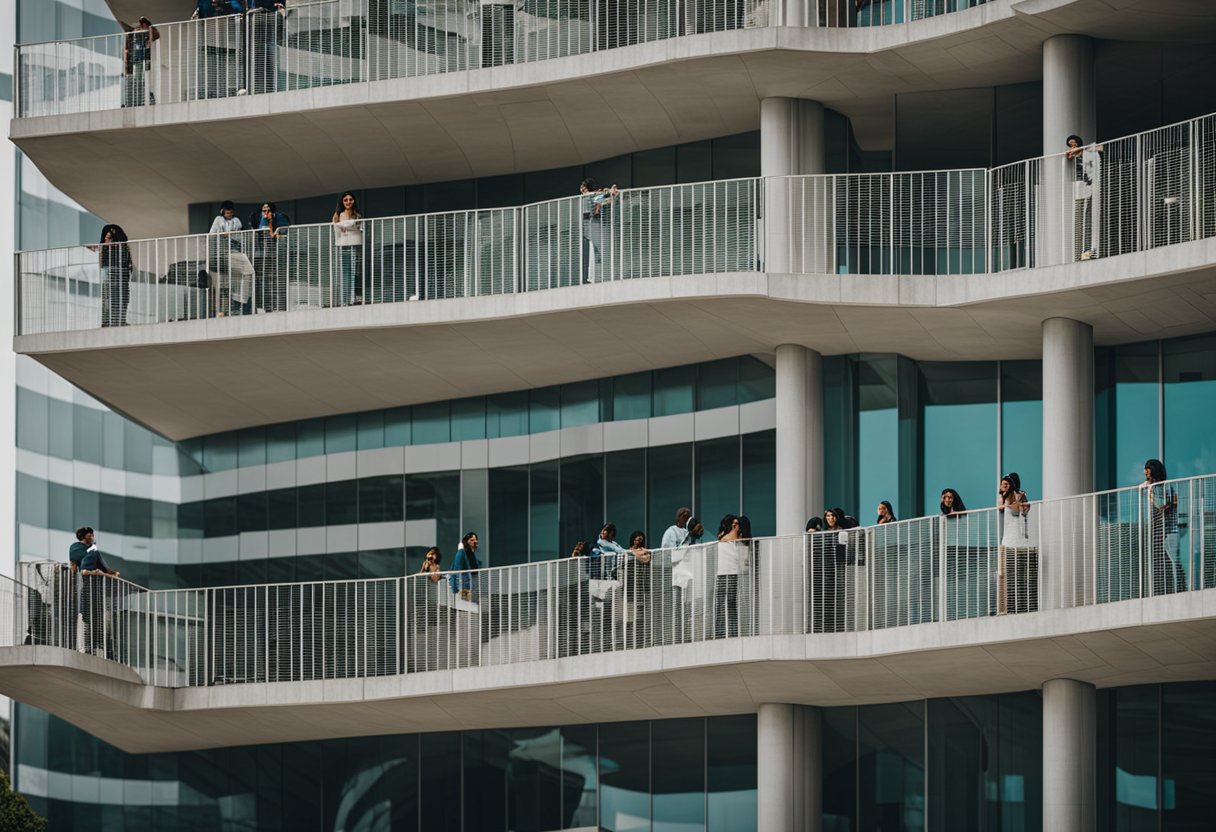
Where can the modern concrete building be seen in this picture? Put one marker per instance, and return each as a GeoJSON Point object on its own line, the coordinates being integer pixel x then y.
{"type": "Point", "coordinates": [849, 258]}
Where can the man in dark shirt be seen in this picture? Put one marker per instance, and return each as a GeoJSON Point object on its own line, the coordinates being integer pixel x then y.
{"type": "Point", "coordinates": [69, 602]}
{"type": "Point", "coordinates": [97, 590]}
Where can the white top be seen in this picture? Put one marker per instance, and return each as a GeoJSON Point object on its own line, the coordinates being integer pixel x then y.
{"type": "Point", "coordinates": [730, 556]}
{"type": "Point", "coordinates": [349, 233]}
{"type": "Point", "coordinates": [673, 538]}
{"type": "Point", "coordinates": [222, 225]}
{"type": "Point", "coordinates": [1016, 533]}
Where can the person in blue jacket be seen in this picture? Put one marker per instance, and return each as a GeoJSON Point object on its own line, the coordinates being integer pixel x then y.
{"type": "Point", "coordinates": [464, 577]}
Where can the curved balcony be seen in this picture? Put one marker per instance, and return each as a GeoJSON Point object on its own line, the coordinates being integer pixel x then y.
{"type": "Point", "coordinates": [840, 263]}
{"type": "Point", "coordinates": [337, 42]}
{"type": "Point", "coordinates": [1101, 587]}
{"type": "Point", "coordinates": [366, 99]}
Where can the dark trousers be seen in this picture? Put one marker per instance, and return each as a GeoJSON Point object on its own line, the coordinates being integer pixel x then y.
{"type": "Point", "coordinates": [93, 607]}
{"type": "Point", "coordinates": [726, 606]}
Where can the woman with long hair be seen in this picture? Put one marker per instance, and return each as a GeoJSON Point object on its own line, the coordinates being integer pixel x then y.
{"type": "Point", "coordinates": [952, 503]}
{"type": "Point", "coordinates": [1162, 505]}
{"type": "Point", "coordinates": [465, 566]}
{"type": "Point", "coordinates": [726, 578]}
{"type": "Point", "coordinates": [886, 514]}
{"type": "Point", "coordinates": [348, 239]}
{"type": "Point", "coordinates": [114, 257]}
{"type": "Point", "coordinates": [1011, 502]}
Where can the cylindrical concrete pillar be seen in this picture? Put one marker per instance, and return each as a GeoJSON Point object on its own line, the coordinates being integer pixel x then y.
{"type": "Point", "coordinates": [1066, 565]}
{"type": "Point", "coordinates": [1068, 408]}
{"type": "Point", "coordinates": [791, 137]}
{"type": "Point", "coordinates": [1068, 108]}
{"type": "Point", "coordinates": [1069, 756]}
{"type": "Point", "coordinates": [791, 144]}
{"type": "Point", "coordinates": [1068, 91]}
{"type": "Point", "coordinates": [799, 402]}
{"type": "Point", "coordinates": [789, 769]}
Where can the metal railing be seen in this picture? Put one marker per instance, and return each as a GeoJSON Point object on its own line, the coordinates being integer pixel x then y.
{"type": "Point", "coordinates": [1137, 193]}
{"type": "Point", "coordinates": [349, 41]}
{"type": "Point", "coordinates": [1095, 548]}
{"type": "Point", "coordinates": [677, 229]}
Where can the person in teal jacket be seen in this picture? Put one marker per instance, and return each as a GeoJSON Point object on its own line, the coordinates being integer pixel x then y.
{"type": "Point", "coordinates": [464, 576]}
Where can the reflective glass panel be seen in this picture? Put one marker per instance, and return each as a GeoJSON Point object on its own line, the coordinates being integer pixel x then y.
{"type": "Point", "coordinates": [730, 770]}
{"type": "Point", "coordinates": [958, 420]}
{"type": "Point", "coordinates": [631, 396]}
{"type": "Point", "coordinates": [891, 767]}
{"type": "Point", "coordinates": [678, 780]}
{"type": "Point", "coordinates": [625, 777]}
{"type": "Point", "coordinates": [582, 502]}
{"type": "Point", "coordinates": [1022, 423]}
{"type": "Point", "coordinates": [544, 512]}
{"type": "Point", "coordinates": [669, 486]}
{"type": "Point", "coordinates": [1189, 366]}
{"type": "Point", "coordinates": [625, 489]}
{"type": "Point", "coordinates": [1188, 756]}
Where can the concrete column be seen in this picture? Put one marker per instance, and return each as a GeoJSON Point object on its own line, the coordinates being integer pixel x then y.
{"type": "Point", "coordinates": [1068, 107]}
{"type": "Point", "coordinates": [1066, 555]}
{"type": "Point", "coordinates": [789, 769]}
{"type": "Point", "coordinates": [1068, 408]}
{"type": "Point", "coordinates": [799, 383]}
{"type": "Point", "coordinates": [791, 144]}
{"type": "Point", "coordinates": [1069, 756]}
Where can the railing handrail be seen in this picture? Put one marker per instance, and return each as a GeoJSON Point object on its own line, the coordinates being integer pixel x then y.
{"type": "Point", "coordinates": [287, 230]}
{"type": "Point", "coordinates": [542, 564]}
{"type": "Point", "coordinates": [647, 188]}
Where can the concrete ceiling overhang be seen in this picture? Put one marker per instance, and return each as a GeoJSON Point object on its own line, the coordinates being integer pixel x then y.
{"type": "Point", "coordinates": [145, 165]}
{"type": "Point", "coordinates": [1163, 639]}
{"type": "Point", "coordinates": [191, 378]}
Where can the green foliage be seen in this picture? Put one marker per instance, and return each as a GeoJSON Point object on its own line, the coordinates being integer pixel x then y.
{"type": "Point", "coordinates": [15, 812]}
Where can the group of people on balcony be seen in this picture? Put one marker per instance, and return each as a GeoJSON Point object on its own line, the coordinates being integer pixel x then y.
{"type": "Point", "coordinates": [611, 592]}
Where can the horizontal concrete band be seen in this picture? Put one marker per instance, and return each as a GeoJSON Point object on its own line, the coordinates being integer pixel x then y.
{"type": "Point", "coordinates": [1161, 639]}
{"type": "Point", "coordinates": [192, 378]}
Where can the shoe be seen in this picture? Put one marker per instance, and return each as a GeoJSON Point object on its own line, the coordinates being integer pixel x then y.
{"type": "Point", "coordinates": [1087, 254]}
{"type": "Point", "coordinates": [412, 297]}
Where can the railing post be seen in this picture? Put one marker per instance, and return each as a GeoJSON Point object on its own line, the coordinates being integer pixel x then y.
{"type": "Point", "coordinates": [942, 575]}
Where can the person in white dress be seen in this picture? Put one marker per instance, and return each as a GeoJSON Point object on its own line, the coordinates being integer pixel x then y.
{"type": "Point", "coordinates": [1014, 508]}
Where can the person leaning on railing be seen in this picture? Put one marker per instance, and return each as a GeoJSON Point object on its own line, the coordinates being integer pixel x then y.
{"type": "Point", "coordinates": [137, 63]}
{"type": "Point", "coordinates": [463, 579]}
{"type": "Point", "coordinates": [348, 238]}
{"type": "Point", "coordinates": [637, 588]}
{"type": "Point", "coordinates": [1162, 499]}
{"type": "Point", "coordinates": [1015, 537]}
{"type": "Point", "coordinates": [270, 225]}
{"type": "Point", "coordinates": [97, 587]}
{"type": "Point", "coordinates": [114, 258]}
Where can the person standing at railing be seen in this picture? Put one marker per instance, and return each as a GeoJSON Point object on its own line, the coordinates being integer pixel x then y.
{"type": "Point", "coordinates": [114, 257]}
{"type": "Point", "coordinates": [595, 202]}
{"type": "Point", "coordinates": [97, 590]}
{"type": "Point", "coordinates": [1086, 164]}
{"type": "Point", "coordinates": [266, 26]}
{"type": "Point", "coordinates": [1013, 505]}
{"type": "Point", "coordinates": [271, 226]}
{"type": "Point", "coordinates": [636, 580]}
{"type": "Point", "coordinates": [1162, 507]}
{"type": "Point", "coordinates": [230, 268]}
{"type": "Point", "coordinates": [886, 514]}
{"type": "Point", "coordinates": [834, 558]}
{"type": "Point", "coordinates": [676, 538]}
{"type": "Point", "coordinates": [731, 553]}
{"type": "Point", "coordinates": [348, 238]}
{"type": "Point", "coordinates": [464, 579]}
{"type": "Point", "coordinates": [137, 64]}
{"type": "Point", "coordinates": [76, 553]}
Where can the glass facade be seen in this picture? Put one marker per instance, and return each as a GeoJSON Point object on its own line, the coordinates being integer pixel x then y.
{"type": "Point", "coordinates": [331, 499]}
{"type": "Point", "coordinates": [665, 775]}
{"type": "Point", "coordinates": [1156, 758]}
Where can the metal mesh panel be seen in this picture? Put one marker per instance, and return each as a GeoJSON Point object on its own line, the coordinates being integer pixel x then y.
{"type": "Point", "coordinates": [904, 558]}
{"type": "Point", "coordinates": [1093, 548]}
{"type": "Point", "coordinates": [1013, 215]}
